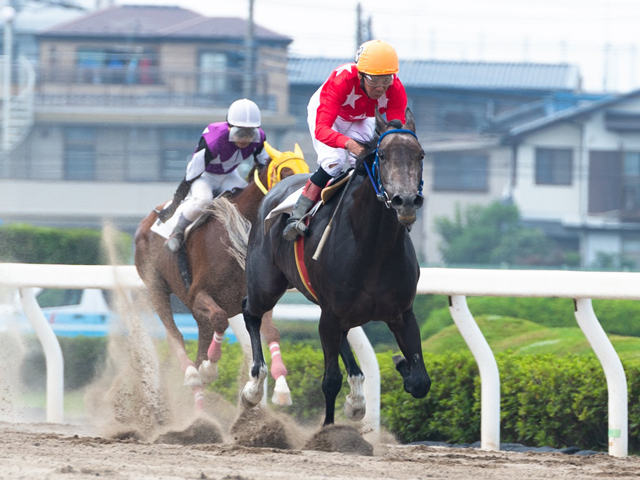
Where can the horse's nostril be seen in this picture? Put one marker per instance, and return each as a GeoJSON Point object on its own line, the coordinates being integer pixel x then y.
{"type": "Point", "coordinates": [397, 201]}
{"type": "Point", "coordinates": [418, 201]}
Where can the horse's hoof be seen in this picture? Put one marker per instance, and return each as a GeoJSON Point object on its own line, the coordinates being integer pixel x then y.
{"type": "Point", "coordinates": [253, 391]}
{"type": "Point", "coordinates": [249, 397]}
{"type": "Point", "coordinates": [355, 405]}
{"type": "Point", "coordinates": [192, 377]}
{"type": "Point", "coordinates": [355, 409]}
{"type": "Point", "coordinates": [208, 371]}
{"type": "Point", "coordinates": [281, 393]}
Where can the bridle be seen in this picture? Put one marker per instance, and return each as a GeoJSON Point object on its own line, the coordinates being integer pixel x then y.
{"type": "Point", "coordinates": [374, 171]}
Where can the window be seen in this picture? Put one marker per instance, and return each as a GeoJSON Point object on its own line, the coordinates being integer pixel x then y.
{"type": "Point", "coordinates": [177, 147]}
{"type": "Point", "coordinates": [554, 166]}
{"type": "Point", "coordinates": [79, 153]}
{"type": "Point", "coordinates": [112, 65]}
{"type": "Point", "coordinates": [460, 172]}
{"type": "Point", "coordinates": [221, 72]}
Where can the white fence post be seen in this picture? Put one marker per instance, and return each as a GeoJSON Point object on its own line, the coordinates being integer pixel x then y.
{"type": "Point", "coordinates": [489, 376]}
{"type": "Point", "coordinates": [52, 352]}
{"type": "Point", "coordinates": [614, 373]}
{"type": "Point", "coordinates": [369, 366]}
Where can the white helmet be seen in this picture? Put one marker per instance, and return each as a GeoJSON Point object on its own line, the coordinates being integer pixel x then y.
{"type": "Point", "coordinates": [243, 113]}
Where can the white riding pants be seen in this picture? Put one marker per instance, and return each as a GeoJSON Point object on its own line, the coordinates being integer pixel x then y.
{"type": "Point", "coordinates": [334, 160]}
{"type": "Point", "coordinates": [205, 187]}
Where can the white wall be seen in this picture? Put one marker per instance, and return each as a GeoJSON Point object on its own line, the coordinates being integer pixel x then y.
{"type": "Point", "coordinates": [443, 204]}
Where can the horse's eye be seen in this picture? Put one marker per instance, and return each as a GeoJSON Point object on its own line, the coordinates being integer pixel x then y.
{"type": "Point", "coordinates": [380, 154]}
{"type": "Point", "coordinates": [422, 155]}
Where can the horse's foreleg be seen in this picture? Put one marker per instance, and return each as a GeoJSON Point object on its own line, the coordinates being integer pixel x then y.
{"type": "Point", "coordinates": [252, 392]}
{"type": "Point", "coordinates": [281, 392]}
{"type": "Point", "coordinates": [355, 405]}
{"type": "Point", "coordinates": [331, 339]}
{"type": "Point", "coordinates": [411, 366]}
{"type": "Point", "coordinates": [212, 323]}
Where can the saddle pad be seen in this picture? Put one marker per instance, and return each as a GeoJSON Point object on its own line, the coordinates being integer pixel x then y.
{"type": "Point", "coordinates": [286, 206]}
{"type": "Point", "coordinates": [333, 188]}
{"type": "Point", "coordinates": [165, 229]}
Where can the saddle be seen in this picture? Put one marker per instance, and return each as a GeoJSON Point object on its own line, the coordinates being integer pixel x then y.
{"type": "Point", "coordinates": [333, 187]}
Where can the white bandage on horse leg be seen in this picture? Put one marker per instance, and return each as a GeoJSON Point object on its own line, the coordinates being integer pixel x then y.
{"type": "Point", "coordinates": [355, 405]}
{"type": "Point", "coordinates": [215, 349]}
{"type": "Point", "coordinates": [277, 365]}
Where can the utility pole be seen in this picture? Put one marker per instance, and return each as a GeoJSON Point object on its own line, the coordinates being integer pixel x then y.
{"type": "Point", "coordinates": [249, 63]}
{"type": "Point", "coordinates": [8, 15]}
{"type": "Point", "coordinates": [359, 36]}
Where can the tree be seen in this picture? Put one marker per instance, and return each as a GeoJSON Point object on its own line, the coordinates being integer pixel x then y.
{"type": "Point", "coordinates": [494, 234]}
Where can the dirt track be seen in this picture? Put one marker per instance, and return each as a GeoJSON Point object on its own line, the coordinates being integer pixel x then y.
{"type": "Point", "coordinates": [34, 451]}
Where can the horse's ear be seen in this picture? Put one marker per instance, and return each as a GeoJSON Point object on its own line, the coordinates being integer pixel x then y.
{"type": "Point", "coordinates": [381, 124]}
{"type": "Point", "coordinates": [410, 123]}
{"type": "Point", "coordinates": [273, 153]}
{"type": "Point", "coordinates": [298, 151]}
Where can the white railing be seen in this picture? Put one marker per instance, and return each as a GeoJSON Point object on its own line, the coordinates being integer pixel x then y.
{"type": "Point", "coordinates": [24, 277]}
{"type": "Point", "coordinates": [455, 283]}
{"type": "Point", "coordinates": [580, 286]}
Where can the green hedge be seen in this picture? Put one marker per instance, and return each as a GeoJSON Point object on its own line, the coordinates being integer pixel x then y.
{"type": "Point", "coordinates": [621, 317]}
{"type": "Point", "coordinates": [547, 400]}
{"type": "Point", "coordinates": [83, 358]}
{"type": "Point", "coordinates": [71, 246]}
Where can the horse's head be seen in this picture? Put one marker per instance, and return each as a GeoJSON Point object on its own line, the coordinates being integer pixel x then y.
{"type": "Point", "coordinates": [284, 164]}
{"type": "Point", "coordinates": [397, 167]}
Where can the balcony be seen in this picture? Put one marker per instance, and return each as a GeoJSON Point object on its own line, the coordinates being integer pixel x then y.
{"type": "Point", "coordinates": [152, 87]}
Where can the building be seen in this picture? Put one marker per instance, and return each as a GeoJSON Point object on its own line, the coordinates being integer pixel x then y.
{"type": "Point", "coordinates": [576, 175]}
{"type": "Point", "coordinates": [121, 98]}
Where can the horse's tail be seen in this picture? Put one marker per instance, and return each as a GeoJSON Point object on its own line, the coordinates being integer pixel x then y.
{"type": "Point", "coordinates": [236, 225]}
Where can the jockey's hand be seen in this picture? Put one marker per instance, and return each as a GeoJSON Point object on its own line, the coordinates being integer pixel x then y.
{"type": "Point", "coordinates": [166, 213]}
{"type": "Point", "coordinates": [354, 147]}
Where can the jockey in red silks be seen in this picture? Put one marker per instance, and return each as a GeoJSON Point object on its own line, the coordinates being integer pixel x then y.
{"type": "Point", "coordinates": [342, 113]}
{"type": "Point", "coordinates": [212, 169]}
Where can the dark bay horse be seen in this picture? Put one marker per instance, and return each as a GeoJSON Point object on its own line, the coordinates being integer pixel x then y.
{"type": "Point", "coordinates": [217, 277]}
{"type": "Point", "coordinates": [367, 269]}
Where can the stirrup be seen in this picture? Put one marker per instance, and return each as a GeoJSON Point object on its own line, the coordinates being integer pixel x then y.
{"type": "Point", "coordinates": [174, 241]}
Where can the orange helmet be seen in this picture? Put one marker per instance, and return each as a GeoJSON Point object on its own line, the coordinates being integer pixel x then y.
{"type": "Point", "coordinates": [377, 57]}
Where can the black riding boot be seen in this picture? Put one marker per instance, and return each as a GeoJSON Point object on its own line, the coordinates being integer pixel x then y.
{"type": "Point", "coordinates": [294, 226]}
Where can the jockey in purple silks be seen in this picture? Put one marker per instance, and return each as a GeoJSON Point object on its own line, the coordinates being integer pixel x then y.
{"type": "Point", "coordinates": [212, 169]}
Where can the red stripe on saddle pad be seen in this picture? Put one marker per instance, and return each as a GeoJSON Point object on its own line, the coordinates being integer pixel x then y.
{"type": "Point", "coordinates": [298, 248]}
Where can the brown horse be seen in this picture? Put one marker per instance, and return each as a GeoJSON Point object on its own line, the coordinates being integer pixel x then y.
{"type": "Point", "coordinates": [217, 277]}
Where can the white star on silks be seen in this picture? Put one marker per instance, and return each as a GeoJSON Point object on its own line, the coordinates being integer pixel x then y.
{"type": "Point", "coordinates": [344, 68]}
{"type": "Point", "coordinates": [352, 98]}
{"type": "Point", "coordinates": [382, 101]}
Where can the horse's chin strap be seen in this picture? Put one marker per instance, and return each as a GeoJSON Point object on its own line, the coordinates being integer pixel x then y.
{"type": "Point", "coordinates": [381, 194]}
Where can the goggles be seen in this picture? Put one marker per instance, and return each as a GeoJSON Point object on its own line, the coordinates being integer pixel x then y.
{"type": "Point", "coordinates": [242, 134]}
{"type": "Point", "coordinates": [378, 80]}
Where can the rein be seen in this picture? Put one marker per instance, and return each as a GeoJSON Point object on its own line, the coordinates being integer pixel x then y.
{"type": "Point", "coordinates": [381, 194]}
{"type": "Point", "coordinates": [274, 171]}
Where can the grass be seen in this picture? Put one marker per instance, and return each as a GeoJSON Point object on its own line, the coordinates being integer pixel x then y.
{"type": "Point", "coordinates": [522, 337]}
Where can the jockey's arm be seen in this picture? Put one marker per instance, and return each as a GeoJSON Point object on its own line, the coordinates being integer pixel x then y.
{"type": "Point", "coordinates": [199, 161]}
{"type": "Point", "coordinates": [260, 156]}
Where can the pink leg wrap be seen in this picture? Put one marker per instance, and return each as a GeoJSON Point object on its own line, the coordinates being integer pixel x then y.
{"type": "Point", "coordinates": [277, 365]}
{"type": "Point", "coordinates": [215, 349]}
{"type": "Point", "coordinates": [198, 397]}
